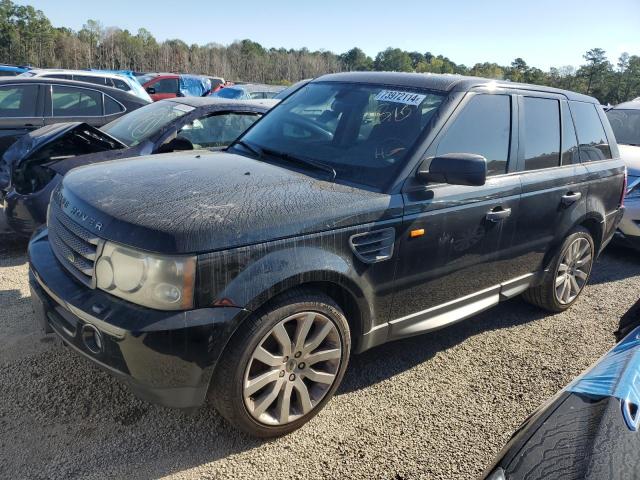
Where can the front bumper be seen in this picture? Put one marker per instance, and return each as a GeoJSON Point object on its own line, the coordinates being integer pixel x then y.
{"type": "Point", "coordinates": [164, 357]}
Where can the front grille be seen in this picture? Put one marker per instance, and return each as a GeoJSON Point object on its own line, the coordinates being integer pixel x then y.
{"type": "Point", "coordinates": [75, 247]}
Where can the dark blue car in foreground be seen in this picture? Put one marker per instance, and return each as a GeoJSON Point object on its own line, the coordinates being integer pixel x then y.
{"type": "Point", "coordinates": [589, 430]}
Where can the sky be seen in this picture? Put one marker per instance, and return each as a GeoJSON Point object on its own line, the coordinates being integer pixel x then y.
{"type": "Point", "coordinates": [544, 33]}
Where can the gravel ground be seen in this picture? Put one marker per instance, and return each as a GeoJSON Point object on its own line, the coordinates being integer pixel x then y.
{"type": "Point", "coordinates": [438, 406]}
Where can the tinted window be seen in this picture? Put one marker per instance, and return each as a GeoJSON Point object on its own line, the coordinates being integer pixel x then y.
{"type": "Point", "coordinates": [570, 152]}
{"type": "Point", "coordinates": [111, 106]}
{"type": "Point", "coordinates": [62, 76]}
{"type": "Point", "coordinates": [75, 102]}
{"type": "Point", "coordinates": [258, 95]}
{"type": "Point", "coordinates": [18, 101]}
{"type": "Point", "coordinates": [217, 130]}
{"type": "Point", "coordinates": [483, 128]}
{"type": "Point", "coordinates": [540, 133]}
{"type": "Point", "coordinates": [363, 132]}
{"type": "Point", "coordinates": [593, 140]}
{"type": "Point", "coordinates": [121, 85]}
{"type": "Point", "coordinates": [90, 79]}
{"type": "Point", "coordinates": [166, 85]}
{"type": "Point", "coordinates": [626, 126]}
{"type": "Point", "coordinates": [7, 74]}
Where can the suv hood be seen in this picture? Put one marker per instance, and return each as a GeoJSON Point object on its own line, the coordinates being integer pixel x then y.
{"type": "Point", "coordinates": [201, 201]}
{"type": "Point", "coordinates": [50, 146]}
{"type": "Point", "coordinates": [631, 157]}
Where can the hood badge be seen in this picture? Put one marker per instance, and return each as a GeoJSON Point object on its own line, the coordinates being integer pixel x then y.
{"type": "Point", "coordinates": [75, 212]}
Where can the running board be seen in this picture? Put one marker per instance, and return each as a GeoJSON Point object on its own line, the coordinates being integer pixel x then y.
{"type": "Point", "coordinates": [454, 311]}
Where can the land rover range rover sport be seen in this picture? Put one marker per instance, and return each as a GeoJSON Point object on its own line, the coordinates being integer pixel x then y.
{"type": "Point", "coordinates": [366, 207]}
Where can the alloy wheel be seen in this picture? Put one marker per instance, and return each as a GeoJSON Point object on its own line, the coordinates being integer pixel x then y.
{"type": "Point", "coordinates": [573, 271]}
{"type": "Point", "coordinates": [292, 369]}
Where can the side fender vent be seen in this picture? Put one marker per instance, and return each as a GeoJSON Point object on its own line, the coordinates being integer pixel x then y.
{"type": "Point", "coordinates": [372, 247]}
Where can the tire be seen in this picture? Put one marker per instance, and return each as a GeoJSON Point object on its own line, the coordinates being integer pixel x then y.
{"type": "Point", "coordinates": [548, 295]}
{"type": "Point", "coordinates": [237, 391]}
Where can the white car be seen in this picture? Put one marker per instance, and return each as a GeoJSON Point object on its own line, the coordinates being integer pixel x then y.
{"type": "Point", "coordinates": [625, 121]}
{"type": "Point", "coordinates": [121, 82]}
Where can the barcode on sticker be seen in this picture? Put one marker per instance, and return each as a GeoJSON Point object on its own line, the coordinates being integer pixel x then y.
{"type": "Point", "coordinates": [408, 98]}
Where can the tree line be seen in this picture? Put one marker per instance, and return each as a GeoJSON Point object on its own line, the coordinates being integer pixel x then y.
{"type": "Point", "coordinates": [28, 37]}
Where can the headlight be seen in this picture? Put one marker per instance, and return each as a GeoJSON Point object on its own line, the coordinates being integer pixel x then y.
{"type": "Point", "coordinates": [157, 281]}
{"type": "Point", "coordinates": [633, 188]}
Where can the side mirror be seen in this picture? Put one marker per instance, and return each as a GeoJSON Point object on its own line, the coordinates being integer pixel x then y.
{"type": "Point", "coordinates": [454, 168]}
{"type": "Point", "coordinates": [151, 90]}
{"type": "Point", "coordinates": [177, 144]}
{"type": "Point", "coordinates": [179, 94]}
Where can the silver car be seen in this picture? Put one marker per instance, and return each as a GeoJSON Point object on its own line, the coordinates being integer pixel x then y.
{"type": "Point", "coordinates": [625, 121]}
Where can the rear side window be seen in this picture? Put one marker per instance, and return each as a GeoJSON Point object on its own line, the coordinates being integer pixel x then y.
{"type": "Point", "coordinates": [75, 102]}
{"type": "Point", "coordinates": [62, 76]}
{"type": "Point", "coordinates": [482, 128]}
{"type": "Point", "coordinates": [18, 101]}
{"type": "Point", "coordinates": [541, 133]}
{"type": "Point", "coordinates": [593, 140]}
{"type": "Point", "coordinates": [89, 79]}
{"type": "Point", "coordinates": [111, 107]}
{"type": "Point", "coordinates": [121, 85]}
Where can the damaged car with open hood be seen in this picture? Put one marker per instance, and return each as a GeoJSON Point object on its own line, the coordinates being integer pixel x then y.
{"type": "Point", "coordinates": [33, 166]}
{"type": "Point", "coordinates": [363, 208]}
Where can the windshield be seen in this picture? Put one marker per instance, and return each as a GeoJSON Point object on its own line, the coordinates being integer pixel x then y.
{"type": "Point", "coordinates": [363, 132]}
{"type": "Point", "coordinates": [626, 126]}
{"type": "Point", "coordinates": [229, 93]}
{"type": "Point", "coordinates": [141, 124]}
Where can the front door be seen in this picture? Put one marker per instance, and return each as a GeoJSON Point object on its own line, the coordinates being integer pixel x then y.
{"type": "Point", "coordinates": [456, 240]}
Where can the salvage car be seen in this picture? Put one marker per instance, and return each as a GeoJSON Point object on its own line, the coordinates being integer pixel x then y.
{"type": "Point", "coordinates": [589, 430]}
{"type": "Point", "coordinates": [110, 79]}
{"type": "Point", "coordinates": [27, 104]}
{"type": "Point", "coordinates": [625, 122]}
{"type": "Point", "coordinates": [35, 164]}
{"type": "Point", "coordinates": [363, 208]}
{"type": "Point", "coordinates": [248, 91]}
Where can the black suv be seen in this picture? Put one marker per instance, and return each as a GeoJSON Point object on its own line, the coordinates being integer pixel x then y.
{"type": "Point", "coordinates": [364, 208]}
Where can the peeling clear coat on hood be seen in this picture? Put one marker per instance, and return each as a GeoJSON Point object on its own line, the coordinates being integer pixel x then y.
{"type": "Point", "coordinates": [197, 202]}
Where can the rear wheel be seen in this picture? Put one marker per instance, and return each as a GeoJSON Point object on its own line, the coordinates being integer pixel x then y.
{"type": "Point", "coordinates": [569, 273]}
{"type": "Point", "coordinates": [284, 365]}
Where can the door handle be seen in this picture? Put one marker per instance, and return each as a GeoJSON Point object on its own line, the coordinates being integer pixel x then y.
{"type": "Point", "coordinates": [571, 198]}
{"type": "Point", "coordinates": [498, 214]}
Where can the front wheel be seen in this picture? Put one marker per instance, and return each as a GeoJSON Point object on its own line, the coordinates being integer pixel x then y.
{"type": "Point", "coordinates": [283, 365]}
{"type": "Point", "coordinates": [569, 273]}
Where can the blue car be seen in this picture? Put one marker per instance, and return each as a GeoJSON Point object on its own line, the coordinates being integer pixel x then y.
{"type": "Point", "coordinates": [589, 430]}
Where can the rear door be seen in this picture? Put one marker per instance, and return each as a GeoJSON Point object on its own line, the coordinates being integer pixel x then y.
{"type": "Point", "coordinates": [456, 240]}
{"type": "Point", "coordinates": [20, 112]}
{"type": "Point", "coordinates": [554, 182]}
{"type": "Point", "coordinates": [74, 104]}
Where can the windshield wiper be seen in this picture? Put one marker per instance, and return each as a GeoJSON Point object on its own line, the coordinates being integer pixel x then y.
{"type": "Point", "coordinates": [308, 162]}
{"type": "Point", "coordinates": [252, 149]}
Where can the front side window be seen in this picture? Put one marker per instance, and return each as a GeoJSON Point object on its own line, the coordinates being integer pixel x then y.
{"type": "Point", "coordinates": [482, 128]}
{"type": "Point", "coordinates": [75, 102]}
{"type": "Point", "coordinates": [540, 133]}
{"type": "Point", "coordinates": [626, 126]}
{"type": "Point", "coordinates": [363, 132]}
{"type": "Point", "coordinates": [166, 85]}
{"type": "Point", "coordinates": [593, 140]}
{"type": "Point", "coordinates": [143, 123]}
{"type": "Point", "coordinates": [217, 130]}
{"type": "Point", "coordinates": [18, 101]}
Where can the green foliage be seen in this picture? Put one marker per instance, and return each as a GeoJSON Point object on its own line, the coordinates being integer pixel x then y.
{"type": "Point", "coordinates": [28, 37]}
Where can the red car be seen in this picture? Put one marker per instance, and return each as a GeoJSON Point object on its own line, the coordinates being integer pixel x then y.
{"type": "Point", "coordinates": [161, 85]}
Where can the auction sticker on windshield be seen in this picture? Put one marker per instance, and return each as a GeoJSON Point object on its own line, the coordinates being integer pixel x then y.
{"type": "Point", "coordinates": [408, 98]}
